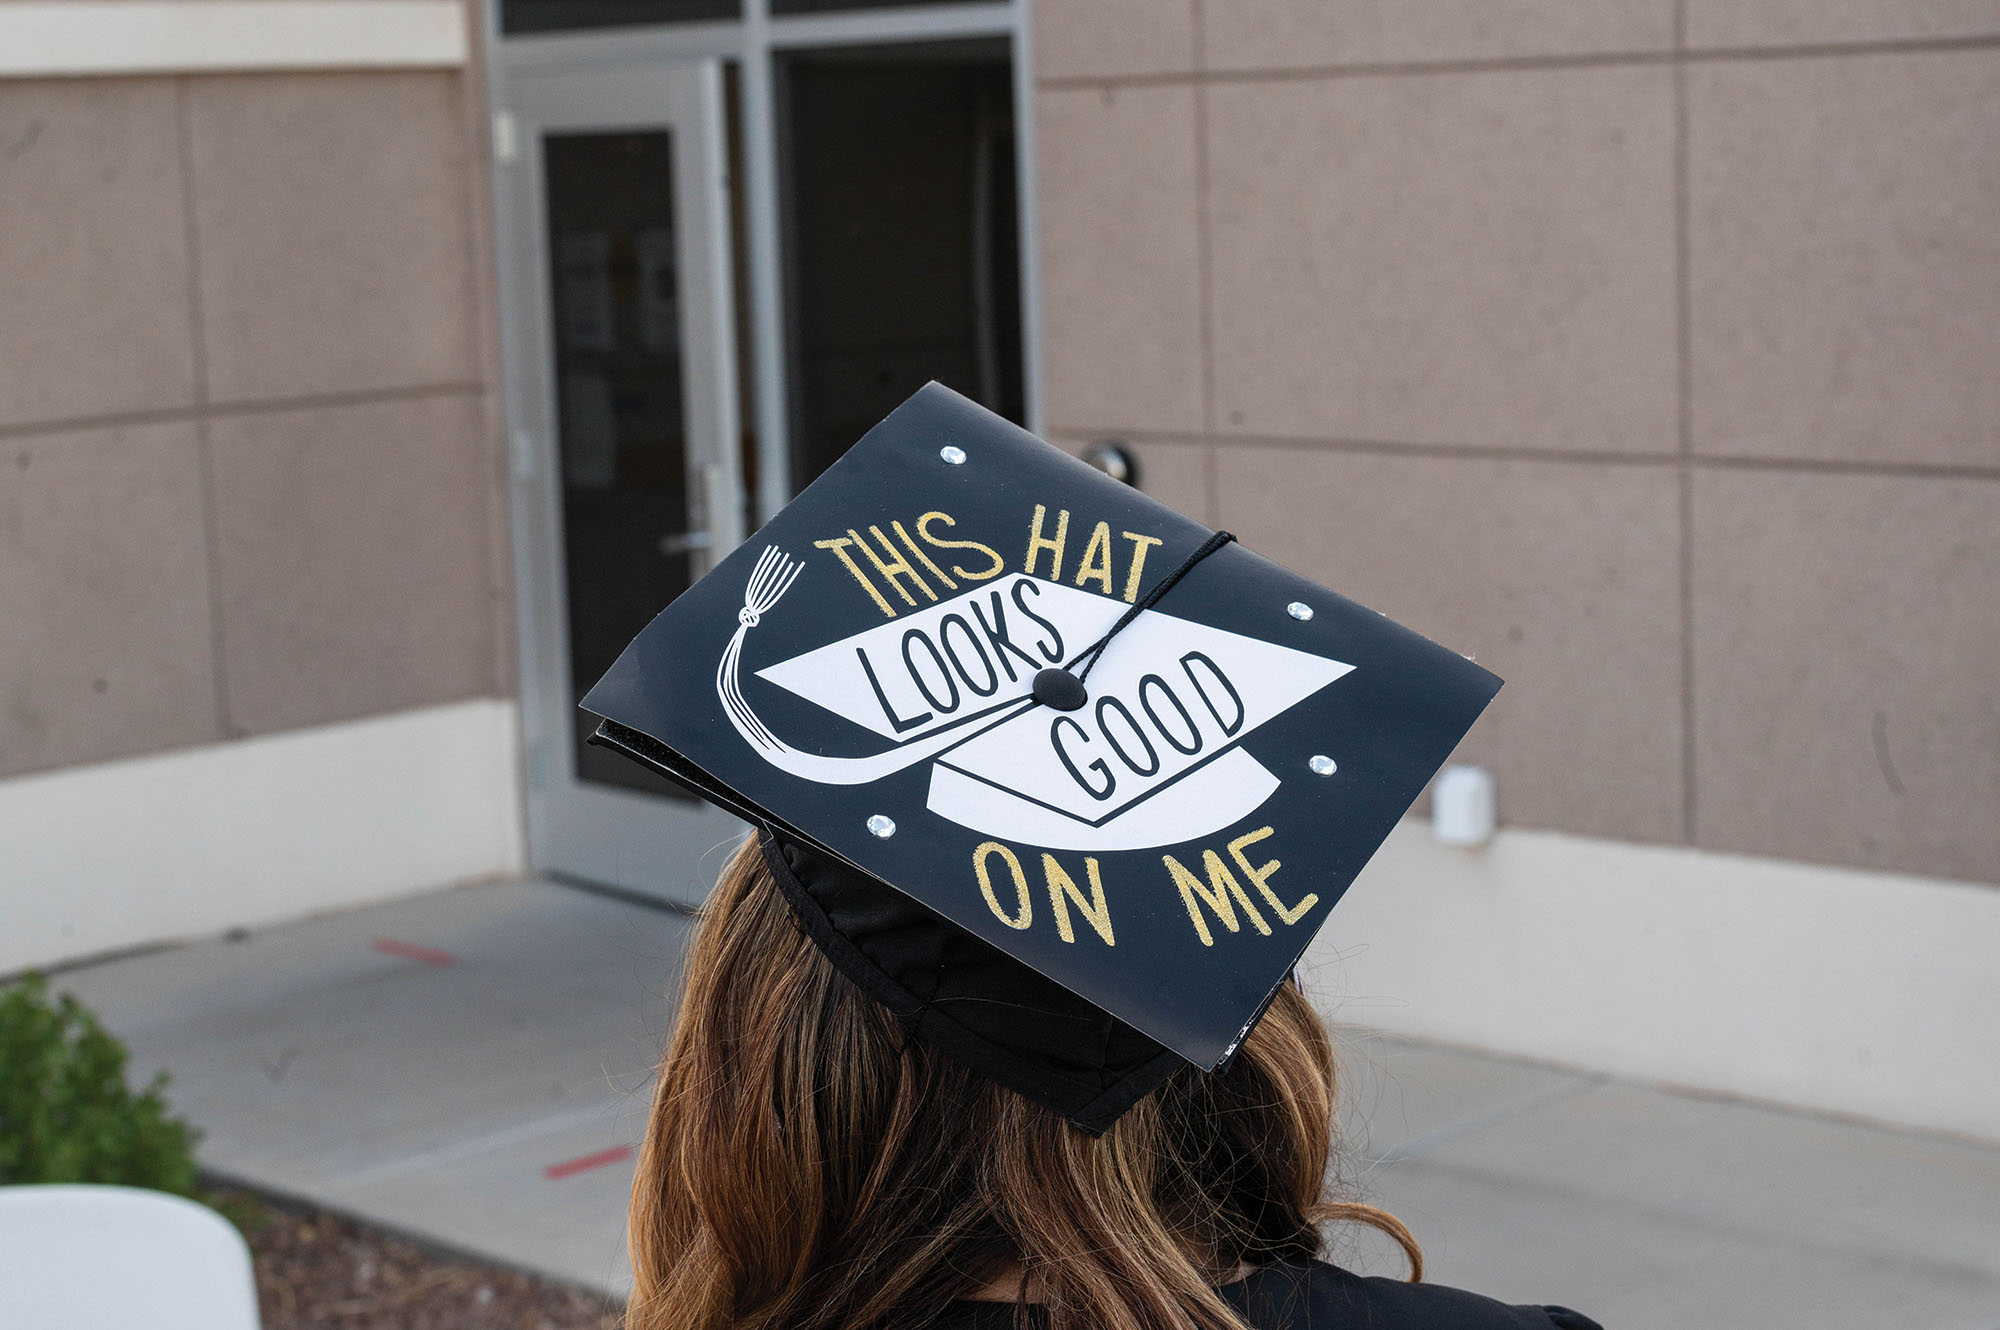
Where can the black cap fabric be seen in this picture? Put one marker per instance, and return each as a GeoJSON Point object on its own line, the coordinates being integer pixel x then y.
{"type": "Point", "coordinates": [1062, 777]}
{"type": "Point", "coordinates": [1043, 1041]}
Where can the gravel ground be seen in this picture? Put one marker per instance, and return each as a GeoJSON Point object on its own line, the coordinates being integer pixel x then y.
{"type": "Point", "coordinates": [319, 1272]}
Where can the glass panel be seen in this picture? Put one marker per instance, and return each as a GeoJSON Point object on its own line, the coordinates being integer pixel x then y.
{"type": "Point", "coordinates": [901, 235]}
{"type": "Point", "coordinates": [518, 16]}
{"type": "Point", "coordinates": [621, 432]}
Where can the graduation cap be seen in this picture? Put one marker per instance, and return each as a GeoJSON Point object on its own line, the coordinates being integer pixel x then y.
{"type": "Point", "coordinates": [1065, 779]}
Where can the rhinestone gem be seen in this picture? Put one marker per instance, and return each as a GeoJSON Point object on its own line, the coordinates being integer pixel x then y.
{"type": "Point", "coordinates": [1322, 765]}
{"type": "Point", "coordinates": [1299, 610]}
{"type": "Point", "coordinates": [880, 826]}
{"type": "Point", "coordinates": [953, 454]}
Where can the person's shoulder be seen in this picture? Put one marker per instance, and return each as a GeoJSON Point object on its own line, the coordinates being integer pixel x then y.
{"type": "Point", "coordinates": [1321, 1297]}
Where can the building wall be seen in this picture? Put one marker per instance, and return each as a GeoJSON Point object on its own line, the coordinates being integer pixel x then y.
{"type": "Point", "coordinates": [1645, 351]}
{"type": "Point", "coordinates": [1648, 352]}
{"type": "Point", "coordinates": [250, 473]}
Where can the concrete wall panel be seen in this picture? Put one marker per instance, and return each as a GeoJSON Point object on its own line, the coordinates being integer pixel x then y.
{"type": "Point", "coordinates": [1846, 634]}
{"type": "Point", "coordinates": [1282, 34]}
{"type": "Point", "coordinates": [351, 560]}
{"type": "Point", "coordinates": [1110, 38]}
{"type": "Point", "coordinates": [1727, 23]}
{"type": "Point", "coordinates": [1560, 577]}
{"type": "Point", "coordinates": [106, 645]}
{"type": "Point", "coordinates": [94, 293]}
{"type": "Point", "coordinates": [1845, 257]}
{"type": "Point", "coordinates": [1478, 258]}
{"type": "Point", "coordinates": [334, 233]}
{"type": "Point", "coordinates": [1121, 287]}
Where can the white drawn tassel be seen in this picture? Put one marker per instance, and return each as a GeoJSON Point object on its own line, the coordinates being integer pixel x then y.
{"type": "Point", "coordinates": [772, 576]}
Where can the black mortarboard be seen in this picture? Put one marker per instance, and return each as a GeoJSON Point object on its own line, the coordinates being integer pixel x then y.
{"type": "Point", "coordinates": [1071, 862]}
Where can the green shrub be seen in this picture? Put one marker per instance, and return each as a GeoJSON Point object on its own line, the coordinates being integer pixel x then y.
{"type": "Point", "coordinates": [66, 1113]}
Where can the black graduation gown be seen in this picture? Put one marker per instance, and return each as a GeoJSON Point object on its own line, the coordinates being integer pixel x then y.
{"type": "Point", "coordinates": [1325, 1297]}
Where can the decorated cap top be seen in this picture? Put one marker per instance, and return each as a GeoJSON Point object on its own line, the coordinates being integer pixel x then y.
{"type": "Point", "coordinates": [1123, 751]}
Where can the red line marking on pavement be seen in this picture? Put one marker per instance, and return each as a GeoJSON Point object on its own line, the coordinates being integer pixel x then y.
{"type": "Point", "coordinates": [584, 1163]}
{"type": "Point", "coordinates": [410, 951]}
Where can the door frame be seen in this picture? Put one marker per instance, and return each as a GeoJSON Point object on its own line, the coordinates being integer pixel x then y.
{"type": "Point", "coordinates": [752, 43]}
{"type": "Point", "coordinates": [584, 828]}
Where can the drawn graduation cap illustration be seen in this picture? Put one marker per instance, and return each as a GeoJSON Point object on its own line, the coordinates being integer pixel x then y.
{"type": "Point", "coordinates": [1064, 778]}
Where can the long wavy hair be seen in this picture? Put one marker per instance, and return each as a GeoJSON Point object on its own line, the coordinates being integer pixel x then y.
{"type": "Point", "coordinates": [806, 1167]}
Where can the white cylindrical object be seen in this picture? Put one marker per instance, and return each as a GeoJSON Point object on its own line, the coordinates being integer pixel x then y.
{"type": "Point", "coordinates": [1462, 806]}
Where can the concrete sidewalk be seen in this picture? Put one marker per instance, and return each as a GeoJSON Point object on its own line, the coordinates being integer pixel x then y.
{"type": "Point", "coordinates": [471, 1066]}
{"type": "Point", "coordinates": [468, 1066]}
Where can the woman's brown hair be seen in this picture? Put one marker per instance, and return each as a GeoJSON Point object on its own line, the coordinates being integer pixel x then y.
{"type": "Point", "coordinates": [807, 1167]}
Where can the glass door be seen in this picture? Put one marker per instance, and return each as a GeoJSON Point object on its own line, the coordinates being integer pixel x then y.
{"type": "Point", "coordinates": [615, 251]}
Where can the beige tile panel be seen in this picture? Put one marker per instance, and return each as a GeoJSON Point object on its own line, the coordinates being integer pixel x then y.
{"type": "Point", "coordinates": [105, 641]}
{"type": "Point", "coordinates": [1482, 258]}
{"type": "Point", "coordinates": [1725, 23]}
{"type": "Point", "coordinates": [1283, 34]}
{"type": "Point", "coordinates": [1846, 634]}
{"type": "Point", "coordinates": [1174, 472]}
{"type": "Point", "coordinates": [1121, 293]}
{"type": "Point", "coordinates": [1091, 38]}
{"type": "Point", "coordinates": [1560, 577]}
{"type": "Point", "coordinates": [334, 232]}
{"type": "Point", "coordinates": [352, 563]}
{"type": "Point", "coordinates": [1845, 257]}
{"type": "Point", "coordinates": [94, 294]}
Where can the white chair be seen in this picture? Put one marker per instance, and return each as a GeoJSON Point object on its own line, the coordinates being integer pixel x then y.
{"type": "Point", "coordinates": [114, 1258]}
